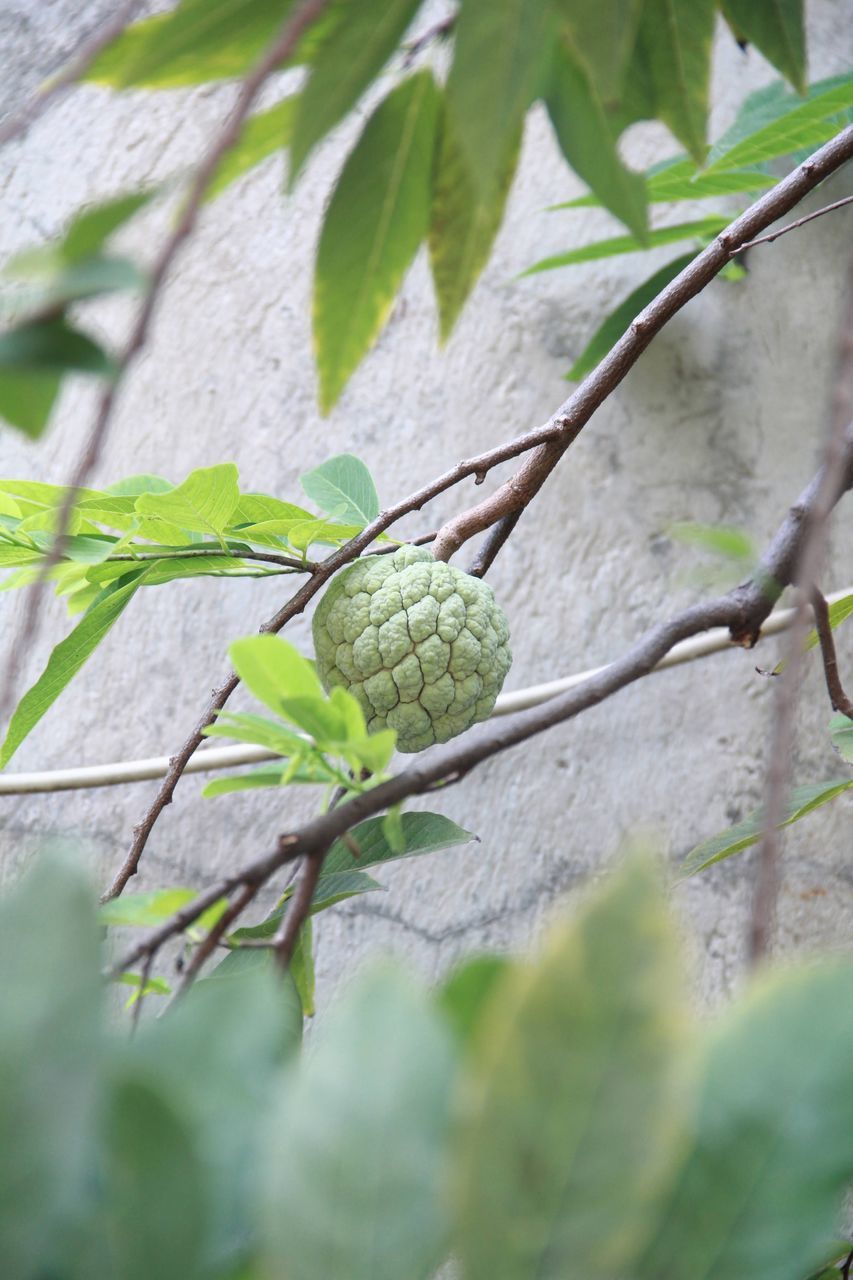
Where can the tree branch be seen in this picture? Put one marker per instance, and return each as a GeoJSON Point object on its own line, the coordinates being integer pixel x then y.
{"type": "Point", "coordinates": [288, 562]}
{"type": "Point", "coordinates": [837, 697]}
{"type": "Point", "coordinates": [577, 410]}
{"type": "Point", "coordinates": [545, 445]}
{"type": "Point", "coordinates": [792, 226]}
{"type": "Point", "coordinates": [804, 559]}
{"type": "Point", "coordinates": [742, 610]}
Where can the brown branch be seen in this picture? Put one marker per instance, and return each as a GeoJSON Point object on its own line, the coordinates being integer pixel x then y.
{"type": "Point", "coordinates": [546, 445]}
{"type": "Point", "coordinates": [215, 933]}
{"type": "Point", "coordinates": [71, 72]}
{"type": "Point", "coordinates": [742, 610]}
{"type": "Point", "coordinates": [805, 566]}
{"type": "Point", "coordinates": [837, 697]}
{"type": "Point", "coordinates": [277, 52]}
{"type": "Point", "coordinates": [576, 411]}
{"type": "Point", "coordinates": [299, 908]}
{"type": "Point", "coordinates": [497, 536]}
{"type": "Point", "coordinates": [792, 226]}
{"type": "Point", "coordinates": [322, 572]}
{"type": "Point", "coordinates": [145, 974]}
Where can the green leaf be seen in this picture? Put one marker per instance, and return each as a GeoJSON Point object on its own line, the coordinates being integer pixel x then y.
{"type": "Point", "coordinates": [463, 224]}
{"type": "Point", "coordinates": [366, 1200]}
{"type": "Point", "coordinates": [422, 832]}
{"type": "Point", "coordinates": [263, 135]}
{"type": "Point", "coordinates": [602, 36]}
{"type": "Point", "coordinates": [152, 1219]}
{"type": "Point", "coordinates": [359, 38]}
{"type": "Point", "coordinates": [89, 229]}
{"type": "Point", "coordinates": [145, 908]}
{"type": "Point", "coordinates": [302, 968]}
{"type": "Point", "coordinates": [198, 41]}
{"type": "Point", "coordinates": [331, 889]}
{"type": "Point", "coordinates": [776, 29]}
{"type": "Point", "coordinates": [218, 1053]}
{"type": "Point", "coordinates": [699, 228]}
{"type": "Point", "coordinates": [134, 486]}
{"type": "Point", "coordinates": [275, 671]}
{"type": "Point", "coordinates": [153, 987]}
{"type": "Point", "coordinates": [775, 122]}
{"type": "Point", "coordinates": [259, 508]}
{"type": "Point", "coordinates": [734, 839]}
{"type": "Point", "coordinates": [680, 179]}
{"type": "Point", "coordinates": [323, 532]}
{"type": "Point", "coordinates": [67, 658]}
{"type": "Point", "coordinates": [588, 141]}
{"type": "Point", "coordinates": [343, 487]}
{"type": "Point", "coordinates": [377, 217]}
{"type": "Point", "coordinates": [759, 1193]}
{"type": "Point", "coordinates": [392, 831]}
{"type": "Point", "coordinates": [721, 540]}
{"type": "Point", "coordinates": [501, 53]}
{"type": "Point", "coordinates": [841, 733]}
{"type": "Point", "coordinates": [575, 1095]}
{"type": "Point", "coordinates": [839, 610]}
{"type": "Point", "coordinates": [204, 502]}
{"type": "Point", "coordinates": [27, 399]}
{"type": "Point", "coordinates": [52, 346]}
{"type": "Point", "coordinates": [675, 46]}
{"type": "Point", "coordinates": [338, 886]}
{"type": "Point", "coordinates": [259, 730]}
{"type": "Point", "coordinates": [466, 993]}
{"type": "Point", "coordinates": [609, 333]}
{"type": "Point", "coordinates": [269, 776]}
{"type": "Point", "coordinates": [50, 1058]}
{"type": "Point", "coordinates": [50, 284]}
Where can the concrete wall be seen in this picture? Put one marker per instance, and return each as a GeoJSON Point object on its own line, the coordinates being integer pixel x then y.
{"type": "Point", "coordinates": [719, 422]}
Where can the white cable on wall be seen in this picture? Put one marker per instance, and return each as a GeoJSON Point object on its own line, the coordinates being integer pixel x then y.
{"type": "Point", "coordinates": [210, 758]}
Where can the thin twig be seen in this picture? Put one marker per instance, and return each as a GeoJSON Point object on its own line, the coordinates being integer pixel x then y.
{"type": "Point", "coordinates": [493, 543]}
{"type": "Point", "coordinates": [71, 72]}
{"type": "Point", "coordinates": [144, 975]}
{"type": "Point", "coordinates": [805, 570]}
{"type": "Point", "coordinates": [792, 226]}
{"type": "Point", "coordinates": [545, 445]}
{"type": "Point", "coordinates": [298, 909]}
{"type": "Point", "coordinates": [277, 52]}
{"type": "Point", "coordinates": [215, 933]}
{"type": "Point", "coordinates": [575, 412]}
{"type": "Point", "coordinates": [837, 697]}
{"type": "Point", "coordinates": [742, 610]}
{"type": "Point", "coordinates": [289, 562]}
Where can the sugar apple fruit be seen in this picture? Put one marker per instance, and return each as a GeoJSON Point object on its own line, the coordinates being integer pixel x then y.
{"type": "Point", "coordinates": [420, 644]}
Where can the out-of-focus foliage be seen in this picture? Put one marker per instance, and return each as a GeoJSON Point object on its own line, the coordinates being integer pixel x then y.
{"type": "Point", "coordinates": [559, 1116]}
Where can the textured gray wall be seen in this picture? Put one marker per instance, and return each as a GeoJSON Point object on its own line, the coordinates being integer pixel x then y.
{"type": "Point", "coordinates": [719, 422]}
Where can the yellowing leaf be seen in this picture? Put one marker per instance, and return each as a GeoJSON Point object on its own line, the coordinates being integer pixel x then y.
{"type": "Point", "coordinates": [463, 223]}
{"type": "Point", "coordinates": [576, 1096]}
{"type": "Point", "coordinates": [501, 53]}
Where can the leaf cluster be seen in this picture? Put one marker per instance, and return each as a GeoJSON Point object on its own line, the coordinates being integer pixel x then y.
{"type": "Point", "coordinates": [436, 157]}
{"type": "Point", "coordinates": [559, 1116]}
{"type": "Point", "coordinates": [144, 531]}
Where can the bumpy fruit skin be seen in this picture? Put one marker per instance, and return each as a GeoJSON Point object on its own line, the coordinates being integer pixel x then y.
{"type": "Point", "coordinates": [421, 645]}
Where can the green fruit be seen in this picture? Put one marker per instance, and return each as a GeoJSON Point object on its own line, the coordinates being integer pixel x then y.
{"type": "Point", "coordinates": [421, 645]}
